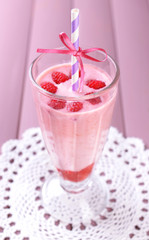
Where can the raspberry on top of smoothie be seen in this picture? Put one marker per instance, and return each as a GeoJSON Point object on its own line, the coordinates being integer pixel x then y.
{"type": "Point", "coordinates": [57, 80]}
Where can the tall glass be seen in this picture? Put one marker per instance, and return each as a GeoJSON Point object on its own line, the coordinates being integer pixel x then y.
{"type": "Point", "coordinates": [74, 141]}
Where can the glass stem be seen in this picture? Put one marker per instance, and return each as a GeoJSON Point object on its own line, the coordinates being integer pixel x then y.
{"type": "Point", "coordinates": [75, 187]}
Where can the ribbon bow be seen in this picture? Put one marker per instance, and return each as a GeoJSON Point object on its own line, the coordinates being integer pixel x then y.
{"type": "Point", "coordinates": [76, 53]}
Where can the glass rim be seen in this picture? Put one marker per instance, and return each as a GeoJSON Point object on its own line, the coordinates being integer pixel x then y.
{"type": "Point", "coordinates": [80, 97]}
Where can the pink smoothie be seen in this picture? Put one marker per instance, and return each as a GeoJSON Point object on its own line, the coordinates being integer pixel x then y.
{"type": "Point", "coordinates": [75, 139]}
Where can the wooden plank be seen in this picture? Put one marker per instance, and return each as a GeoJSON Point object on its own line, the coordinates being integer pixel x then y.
{"type": "Point", "coordinates": [96, 30]}
{"type": "Point", "coordinates": [49, 19]}
{"type": "Point", "coordinates": [14, 28]}
{"type": "Point", "coordinates": [132, 37]}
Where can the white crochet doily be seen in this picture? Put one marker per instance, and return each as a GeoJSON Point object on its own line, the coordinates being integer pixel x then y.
{"type": "Point", "coordinates": [24, 167]}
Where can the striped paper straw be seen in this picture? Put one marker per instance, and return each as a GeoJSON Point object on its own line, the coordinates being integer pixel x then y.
{"type": "Point", "coordinates": [75, 41]}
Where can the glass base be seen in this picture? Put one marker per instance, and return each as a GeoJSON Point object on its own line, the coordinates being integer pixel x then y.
{"type": "Point", "coordinates": [75, 202]}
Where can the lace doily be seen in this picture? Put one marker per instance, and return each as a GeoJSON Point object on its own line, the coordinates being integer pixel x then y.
{"type": "Point", "coordinates": [24, 167]}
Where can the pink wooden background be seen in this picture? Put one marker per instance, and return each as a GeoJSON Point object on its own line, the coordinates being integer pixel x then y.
{"type": "Point", "coordinates": [121, 27]}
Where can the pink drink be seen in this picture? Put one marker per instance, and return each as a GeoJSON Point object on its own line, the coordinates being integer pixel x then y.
{"type": "Point", "coordinates": [75, 139]}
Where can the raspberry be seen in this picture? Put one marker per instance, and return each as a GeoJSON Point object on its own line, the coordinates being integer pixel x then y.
{"type": "Point", "coordinates": [59, 77]}
{"type": "Point", "coordinates": [76, 176]}
{"type": "Point", "coordinates": [50, 87]}
{"type": "Point", "coordinates": [95, 100]}
{"type": "Point", "coordinates": [74, 106]}
{"type": "Point", "coordinates": [57, 104]}
{"type": "Point", "coordinates": [96, 84]}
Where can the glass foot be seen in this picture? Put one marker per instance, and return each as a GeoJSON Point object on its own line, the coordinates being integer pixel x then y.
{"type": "Point", "coordinates": [75, 202]}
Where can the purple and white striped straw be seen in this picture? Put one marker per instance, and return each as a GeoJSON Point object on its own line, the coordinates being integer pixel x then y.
{"type": "Point", "coordinates": [75, 41]}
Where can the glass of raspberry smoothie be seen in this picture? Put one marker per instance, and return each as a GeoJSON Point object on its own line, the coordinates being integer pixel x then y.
{"type": "Point", "coordinates": [74, 127]}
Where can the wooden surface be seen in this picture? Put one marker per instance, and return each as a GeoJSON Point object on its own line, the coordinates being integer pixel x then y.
{"type": "Point", "coordinates": [121, 27]}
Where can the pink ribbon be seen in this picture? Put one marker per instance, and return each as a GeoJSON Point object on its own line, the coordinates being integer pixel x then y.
{"type": "Point", "coordinates": [76, 53]}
